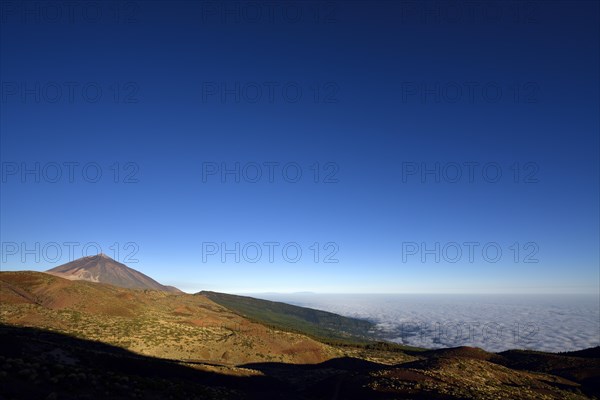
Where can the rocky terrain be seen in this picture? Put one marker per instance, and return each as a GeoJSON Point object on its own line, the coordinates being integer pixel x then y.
{"type": "Point", "coordinates": [67, 339]}
{"type": "Point", "coordinates": [103, 269]}
{"type": "Point", "coordinates": [154, 323]}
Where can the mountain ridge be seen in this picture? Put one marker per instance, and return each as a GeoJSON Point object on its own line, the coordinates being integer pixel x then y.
{"type": "Point", "coordinates": [155, 323]}
{"type": "Point", "coordinates": [320, 324]}
{"type": "Point", "coordinates": [107, 330]}
{"type": "Point", "coordinates": [101, 268]}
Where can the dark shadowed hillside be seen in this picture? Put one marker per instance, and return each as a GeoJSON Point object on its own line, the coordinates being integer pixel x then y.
{"type": "Point", "coordinates": [64, 339]}
{"type": "Point", "coordinates": [39, 364]}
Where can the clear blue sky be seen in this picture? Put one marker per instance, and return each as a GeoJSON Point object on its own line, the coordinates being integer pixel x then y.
{"type": "Point", "coordinates": [366, 93]}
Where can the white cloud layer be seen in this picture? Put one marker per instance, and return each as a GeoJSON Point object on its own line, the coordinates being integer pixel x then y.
{"type": "Point", "coordinates": [494, 323]}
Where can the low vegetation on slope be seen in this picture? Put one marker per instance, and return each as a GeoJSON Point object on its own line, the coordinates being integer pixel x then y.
{"type": "Point", "coordinates": [62, 339]}
{"type": "Point", "coordinates": [38, 364]}
{"type": "Point", "coordinates": [149, 322]}
{"type": "Point", "coordinates": [324, 325]}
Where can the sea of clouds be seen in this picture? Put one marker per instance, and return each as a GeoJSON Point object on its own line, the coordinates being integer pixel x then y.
{"type": "Point", "coordinates": [494, 323]}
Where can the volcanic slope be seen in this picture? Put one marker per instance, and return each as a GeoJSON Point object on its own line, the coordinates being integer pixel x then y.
{"type": "Point", "coordinates": [151, 322]}
{"type": "Point", "coordinates": [103, 269]}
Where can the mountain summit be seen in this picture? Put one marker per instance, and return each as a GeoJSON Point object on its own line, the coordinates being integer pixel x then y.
{"type": "Point", "coordinates": [103, 269]}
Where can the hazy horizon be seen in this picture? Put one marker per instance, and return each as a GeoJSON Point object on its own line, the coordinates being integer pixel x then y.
{"type": "Point", "coordinates": [576, 291]}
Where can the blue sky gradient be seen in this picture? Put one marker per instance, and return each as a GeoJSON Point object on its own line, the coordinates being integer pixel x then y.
{"type": "Point", "coordinates": [363, 92]}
